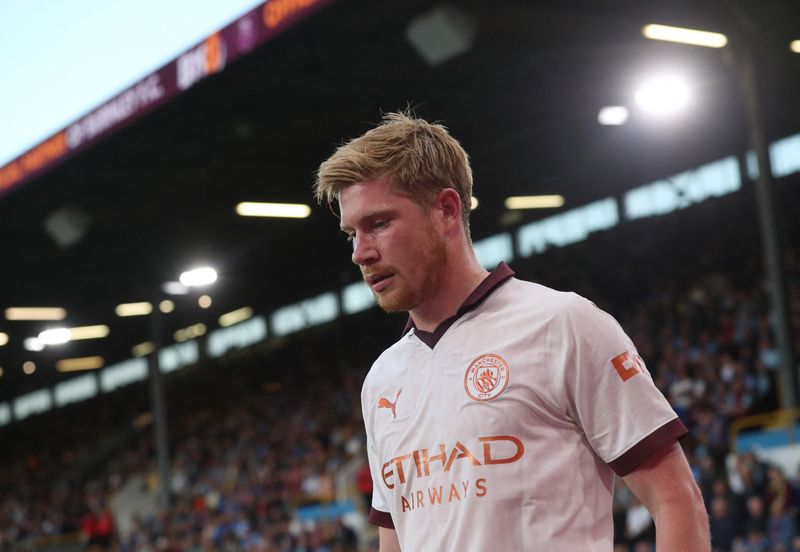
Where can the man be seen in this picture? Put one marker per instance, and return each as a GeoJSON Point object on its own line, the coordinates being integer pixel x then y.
{"type": "Point", "coordinates": [498, 420]}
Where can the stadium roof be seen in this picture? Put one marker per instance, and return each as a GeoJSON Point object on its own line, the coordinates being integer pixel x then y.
{"type": "Point", "coordinates": [523, 100]}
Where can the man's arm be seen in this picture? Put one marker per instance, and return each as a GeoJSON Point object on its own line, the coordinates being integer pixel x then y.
{"type": "Point", "coordinates": [665, 485]}
{"type": "Point", "coordinates": [388, 540]}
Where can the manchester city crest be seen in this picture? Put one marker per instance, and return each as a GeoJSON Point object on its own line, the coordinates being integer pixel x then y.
{"type": "Point", "coordinates": [486, 377]}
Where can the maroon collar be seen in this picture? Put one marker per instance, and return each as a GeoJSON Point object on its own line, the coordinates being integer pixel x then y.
{"type": "Point", "coordinates": [500, 275]}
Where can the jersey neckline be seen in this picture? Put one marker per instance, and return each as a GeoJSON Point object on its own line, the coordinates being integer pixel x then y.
{"type": "Point", "coordinates": [495, 279]}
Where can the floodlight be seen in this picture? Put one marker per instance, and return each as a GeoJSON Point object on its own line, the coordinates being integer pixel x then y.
{"type": "Point", "coordinates": [613, 115]}
{"type": "Point", "coordinates": [234, 317]}
{"type": "Point", "coordinates": [683, 35]}
{"type": "Point", "coordinates": [663, 95]}
{"type": "Point", "coordinates": [35, 313]}
{"type": "Point", "coordinates": [174, 288]}
{"type": "Point", "coordinates": [55, 336]}
{"type": "Point", "coordinates": [534, 202]}
{"type": "Point", "coordinates": [276, 210]}
{"type": "Point", "coordinates": [80, 364]}
{"type": "Point", "coordinates": [199, 277]}
{"type": "Point", "coordinates": [89, 332]}
{"type": "Point", "coordinates": [134, 309]}
{"type": "Point", "coordinates": [33, 344]}
{"type": "Point", "coordinates": [59, 336]}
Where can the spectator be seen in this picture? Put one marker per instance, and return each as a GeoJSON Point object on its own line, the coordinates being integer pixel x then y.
{"type": "Point", "coordinates": [723, 525]}
{"type": "Point", "coordinates": [781, 527]}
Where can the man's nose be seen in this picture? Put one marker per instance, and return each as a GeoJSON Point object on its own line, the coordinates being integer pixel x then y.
{"type": "Point", "coordinates": [364, 252]}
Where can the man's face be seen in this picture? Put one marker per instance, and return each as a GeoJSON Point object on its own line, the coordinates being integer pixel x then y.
{"type": "Point", "coordinates": [395, 243]}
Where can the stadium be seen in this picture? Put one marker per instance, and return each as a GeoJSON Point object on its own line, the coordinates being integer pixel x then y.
{"type": "Point", "coordinates": [184, 335]}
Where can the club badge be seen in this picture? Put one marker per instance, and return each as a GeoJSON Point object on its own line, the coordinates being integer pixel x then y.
{"type": "Point", "coordinates": [486, 377]}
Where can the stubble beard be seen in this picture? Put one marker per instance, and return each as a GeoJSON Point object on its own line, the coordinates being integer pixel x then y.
{"type": "Point", "coordinates": [408, 295]}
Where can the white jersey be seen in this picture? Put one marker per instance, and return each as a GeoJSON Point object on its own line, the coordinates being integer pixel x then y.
{"type": "Point", "coordinates": [503, 429]}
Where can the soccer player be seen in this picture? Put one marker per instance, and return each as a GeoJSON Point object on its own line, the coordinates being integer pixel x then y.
{"type": "Point", "coordinates": [500, 417]}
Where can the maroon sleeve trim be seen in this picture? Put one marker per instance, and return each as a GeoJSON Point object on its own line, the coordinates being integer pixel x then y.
{"type": "Point", "coordinates": [381, 519]}
{"type": "Point", "coordinates": [641, 451]}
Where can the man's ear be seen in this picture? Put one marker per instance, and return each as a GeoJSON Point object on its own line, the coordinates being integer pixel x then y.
{"type": "Point", "coordinates": [448, 203]}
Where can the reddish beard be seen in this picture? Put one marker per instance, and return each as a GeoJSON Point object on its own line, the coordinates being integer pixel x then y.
{"type": "Point", "coordinates": [404, 295]}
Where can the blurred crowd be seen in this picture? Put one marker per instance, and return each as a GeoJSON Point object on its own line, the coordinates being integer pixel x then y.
{"type": "Point", "coordinates": [238, 472]}
{"type": "Point", "coordinates": [255, 436]}
{"type": "Point", "coordinates": [712, 353]}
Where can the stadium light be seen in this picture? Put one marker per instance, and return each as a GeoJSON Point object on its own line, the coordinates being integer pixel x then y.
{"type": "Point", "coordinates": [59, 336]}
{"type": "Point", "coordinates": [166, 306]}
{"type": "Point", "coordinates": [613, 115]}
{"type": "Point", "coordinates": [794, 46]}
{"type": "Point", "coordinates": [234, 317]}
{"type": "Point", "coordinates": [277, 210]}
{"type": "Point", "coordinates": [3, 339]}
{"type": "Point", "coordinates": [29, 367]}
{"type": "Point", "coordinates": [534, 202]}
{"type": "Point", "coordinates": [185, 334]}
{"type": "Point", "coordinates": [683, 35]}
{"type": "Point", "coordinates": [33, 344]}
{"type": "Point", "coordinates": [663, 95]}
{"type": "Point", "coordinates": [174, 288]}
{"type": "Point", "coordinates": [79, 364]}
{"type": "Point", "coordinates": [143, 349]}
{"type": "Point", "coordinates": [199, 277]}
{"type": "Point", "coordinates": [89, 332]}
{"type": "Point", "coordinates": [55, 336]}
{"type": "Point", "coordinates": [134, 309]}
{"type": "Point", "coordinates": [473, 204]}
{"type": "Point", "coordinates": [35, 313]}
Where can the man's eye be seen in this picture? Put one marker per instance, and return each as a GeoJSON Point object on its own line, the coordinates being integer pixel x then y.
{"type": "Point", "coordinates": [350, 237]}
{"type": "Point", "coordinates": [379, 224]}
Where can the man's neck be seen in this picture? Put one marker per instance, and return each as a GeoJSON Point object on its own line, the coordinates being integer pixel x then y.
{"type": "Point", "coordinates": [455, 286]}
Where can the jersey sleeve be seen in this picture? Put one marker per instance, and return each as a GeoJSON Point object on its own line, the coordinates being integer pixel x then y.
{"type": "Point", "coordinates": [379, 514]}
{"type": "Point", "coordinates": [611, 393]}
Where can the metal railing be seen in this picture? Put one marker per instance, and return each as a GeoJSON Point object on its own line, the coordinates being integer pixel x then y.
{"type": "Point", "coordinates": [777, 420]}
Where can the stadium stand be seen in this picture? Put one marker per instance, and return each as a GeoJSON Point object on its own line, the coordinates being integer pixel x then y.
{"type": "Point", "coordinates": [260, 438]}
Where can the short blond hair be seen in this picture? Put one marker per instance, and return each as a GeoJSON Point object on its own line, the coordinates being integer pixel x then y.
{"type": "Point", "coordinates": [418, 158]}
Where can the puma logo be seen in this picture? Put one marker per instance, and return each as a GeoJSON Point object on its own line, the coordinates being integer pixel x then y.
{"type": "Point", "coordinates": [386, 403]}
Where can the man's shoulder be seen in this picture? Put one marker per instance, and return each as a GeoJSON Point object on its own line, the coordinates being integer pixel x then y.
{"type": "Point", "coordinates": [530, 304]}
{"type": "Point", "coordinates": [524, 294]}
{"type": "Point", "coordinates": [391, 356]}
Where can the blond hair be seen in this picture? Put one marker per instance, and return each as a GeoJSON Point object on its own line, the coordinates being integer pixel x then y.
{"type": "Point", "coordinates": [418, 158]}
